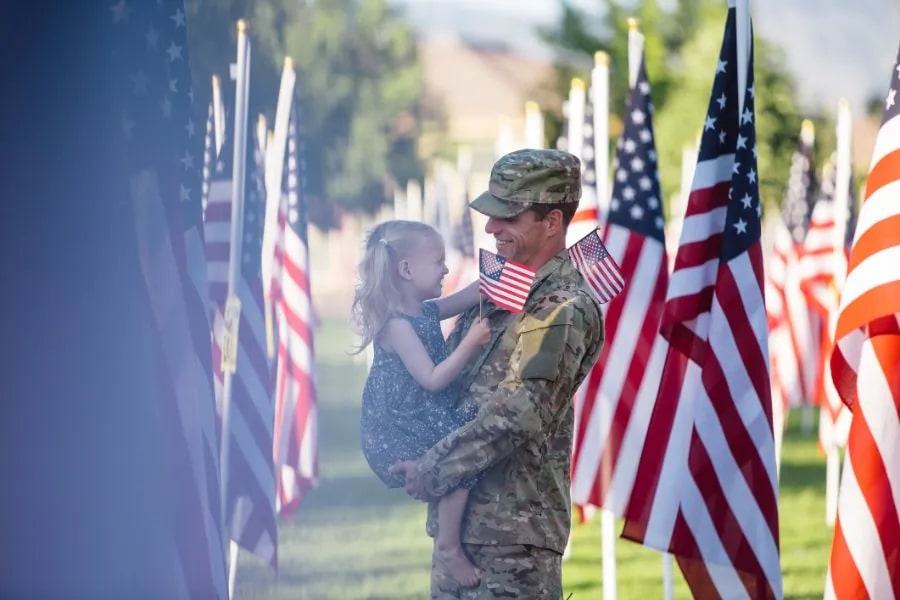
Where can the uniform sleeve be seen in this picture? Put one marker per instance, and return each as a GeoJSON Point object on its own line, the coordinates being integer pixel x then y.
{"type": "Point", "coordinates": [537, 386]}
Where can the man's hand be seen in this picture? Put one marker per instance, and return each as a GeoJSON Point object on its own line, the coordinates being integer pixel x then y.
{"type": "Point", "coordinates": [415, 486]}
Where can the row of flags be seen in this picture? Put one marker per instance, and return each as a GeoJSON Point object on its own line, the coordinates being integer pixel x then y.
{"type": "Point", "coordinates": [674, 428]}
{"type": "Point", "coordinates": [272, 422]}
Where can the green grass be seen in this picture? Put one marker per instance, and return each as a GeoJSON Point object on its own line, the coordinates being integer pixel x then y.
{"type": "Point", "coordinates": [353, 539]}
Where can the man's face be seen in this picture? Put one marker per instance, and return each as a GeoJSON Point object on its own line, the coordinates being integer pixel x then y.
{"type": "Point", "coordinates": [520, 238]}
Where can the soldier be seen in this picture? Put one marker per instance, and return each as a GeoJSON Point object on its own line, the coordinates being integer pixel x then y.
{"type": "Point", "coordinates": [523, 381]}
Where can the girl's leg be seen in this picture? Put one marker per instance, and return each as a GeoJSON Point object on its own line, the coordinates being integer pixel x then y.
{"type": "Point", "coordinates": [449, 548]}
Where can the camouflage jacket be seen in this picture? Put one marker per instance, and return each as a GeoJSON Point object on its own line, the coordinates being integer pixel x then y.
{"type": "Point", "coordinates": [523, 383]}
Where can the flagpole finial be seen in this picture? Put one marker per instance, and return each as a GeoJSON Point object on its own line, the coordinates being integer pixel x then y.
{"type": "Point", "coordinates": [633, 24]}
{"type": "Point", "coordinates": [242, 26]}
{"type": "Point", "coordinates": [577, 84]}
{"type": "Point", "coordinates": [843, 104]}
{"type": "Point", "coordinates": [288, 62]}
{"type": "Point", "coordinates": [601, 58]}
{"type": "Point", "coordinates": [808, 124]}
{"type": "Point", "coordinates": [532, 106]}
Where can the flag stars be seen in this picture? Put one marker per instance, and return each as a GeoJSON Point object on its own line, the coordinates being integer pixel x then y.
{"type": "Point", "coordinates": [173, 86]}
{"type": "Point", "coordinates": [185, 193]}
{"type": "Point", "coordinates": [751, 176]}
{"type": "Point", "coordinates": [741, 142]}
{"type": "Point", "coordinates": [630, 146]}
{"type": "Point", "coordinates": [174, 52]}
{"type": "Point", "coordinates": [190, 128]}
{"type": "Point", "coordinates": [891, 99]}
{"type": "Point", "coordinates": [653, 202]}
{"type": "Point", "coordinates": [746, 116]}
{"type": "Point", "coordinates": [637, 212]}
{"type": "Point", "coordinates": [740, 226]}
{"type": "Point", "coordinates": [721, 100]}
{"type": "Point", "coordinates": [637, 164]}
{"type": "Point", "coordinates": [120, 12]}
{"type": "Point", "coordinates": [736, 168]}
{"type": "Point", "coordinates": [746, 201]}
{"type": "Point", "coordinates": [645, 135]}
{"type": "Point", "coordinates": [722, 136]}
{"type": "Point", "coordinates": [645, 183]}
{"type": "Point", "coordinates": [187, 161]}
{"type": "Point", "coordinates": [710, 123]}
{"type": "Point", "coordinates": [628, 193]}
{"type": "Point", "coordinates": [659, 223]}
{"type": "Point", "coordinates": [644, 87]}
{"type": "Point", "coordinates": [621, 175]}
{"type": "Point", "coordinates": [178, 18]}
{"type": "Point", "coordinates": [638, 116]}
{"type": "Point", "coordinates": [720, 68]}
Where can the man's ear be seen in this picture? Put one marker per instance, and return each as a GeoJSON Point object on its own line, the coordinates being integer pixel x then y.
{"type": "Point", "coordinates": [554, 221]}
{"type": "Point", "coordinates": [403, 269]}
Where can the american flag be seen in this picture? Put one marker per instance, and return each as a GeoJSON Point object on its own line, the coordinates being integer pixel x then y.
{"type": "Point", "coordinates": [823, 269]}
{"type": "Point", "coordinates": [163, 148]}
{"type": "Point", "coordinates": [866, 546]}
{"type": "Point", "coordinates": [706, 486]}
{"type": "Point", "coordinates": [504, 281]}
{"type": "Point", "coordinates": [598, 268]}
{"type": "Point", "coordinates": [621, 388]}
{"type": "Point", "coordinates": [296, 420]}
{"type": "Point", "coordinates": [251, 481]}
{"type": "Point", "coordinates": [586, 217]}
{"type": "Point", "coordinates": [794, 328]}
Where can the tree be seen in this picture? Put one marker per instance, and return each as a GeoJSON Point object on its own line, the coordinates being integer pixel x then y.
{"type": "Point", "coordinates": [681, 49]}
{"type": "Point", "coordinates": [359, 77]}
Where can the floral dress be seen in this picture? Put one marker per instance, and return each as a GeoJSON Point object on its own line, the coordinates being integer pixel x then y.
{"type": "Point", "coordinates": [400, 419]}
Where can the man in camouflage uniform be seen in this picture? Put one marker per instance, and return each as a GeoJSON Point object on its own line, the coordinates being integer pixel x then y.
{"type": "Point", "coordinates": [518, 515]}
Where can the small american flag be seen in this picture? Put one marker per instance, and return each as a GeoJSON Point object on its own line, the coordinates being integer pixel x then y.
{"type": "Point", "coordinates": [598, 268]}
{"type": "Point", "coordinates": [504, 281]}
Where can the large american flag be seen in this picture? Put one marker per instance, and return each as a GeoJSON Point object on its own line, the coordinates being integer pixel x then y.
{"type": "Point", "coordinates": [163, 149]}
{"type": "Point", "coordinates": [620, 390]}
{"type": "Point", "coordinates": [706, 483]}
{"type": "Point", "coordinates": [794, 328]}
{"type": "Point", "coordinates": [506, 282]}
{"type": "Point", "coordinates": [865, 553]}
{"type": "Point", "coordinates": [823, 269]}
{"type": "Point", "coordinates": [251, 481]}
{"type": "Point", "coordinates": [296, 416]}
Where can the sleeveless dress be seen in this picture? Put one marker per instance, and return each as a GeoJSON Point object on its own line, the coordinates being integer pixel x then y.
{"type": "Point", "coordinates": [400, 419]}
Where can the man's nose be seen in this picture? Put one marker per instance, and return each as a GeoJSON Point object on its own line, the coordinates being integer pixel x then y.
{"type": "Point", "coordinates": [491, 227]}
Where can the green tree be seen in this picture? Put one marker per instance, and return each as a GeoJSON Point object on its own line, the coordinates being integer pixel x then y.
{"type": "Point", "coordinates": [681, 48]}
{"type": "Point", "coordinates": [358, 74]}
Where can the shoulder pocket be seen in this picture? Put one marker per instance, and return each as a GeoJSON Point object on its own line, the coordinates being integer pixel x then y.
{"type": "Point", "coordinates": [540, 349]}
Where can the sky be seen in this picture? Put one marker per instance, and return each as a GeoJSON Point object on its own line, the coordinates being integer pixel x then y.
{"type": "Point", "coordinates": [840, 49]}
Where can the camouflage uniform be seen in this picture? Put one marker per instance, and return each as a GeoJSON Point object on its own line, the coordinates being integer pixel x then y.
{"type": "Point", "coordinates": [518, 515]}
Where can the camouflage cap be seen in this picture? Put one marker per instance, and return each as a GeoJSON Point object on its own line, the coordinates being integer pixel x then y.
{"type": "Point", "coordinates": [530, 176]}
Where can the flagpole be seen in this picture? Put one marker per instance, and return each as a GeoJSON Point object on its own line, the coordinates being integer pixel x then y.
{"type": "Point", "coordinates": [232, 304]}
{"type": "Point", "coordinates": [600, 100]}
{"type": "Point", "coordinates": [742, 30]}
{"type": "Point", "coordinates": [841, 207]}
{"type": "Point", "coordinates": [274, 172]}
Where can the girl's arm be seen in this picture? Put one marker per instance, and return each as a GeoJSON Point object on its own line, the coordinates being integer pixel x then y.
{"type": "Point", "coordinates": [399, 337]}
{"type": "Point", "coordinates": [458, 302]}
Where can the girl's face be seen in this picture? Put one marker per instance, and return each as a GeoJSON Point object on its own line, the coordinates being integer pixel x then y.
{"type": "Point", "coordinates": [427, 268]}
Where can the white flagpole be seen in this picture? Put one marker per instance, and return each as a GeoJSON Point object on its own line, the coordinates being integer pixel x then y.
{"type": "Point", "coordinates": [600, 100]}
{"type": "Point", "coordinates": [574, 133]}
{"type": "Point", "coordinates": [534, 126]}
{"type": "Point", "coordinates": [274, 171]}
{"type": "Point", "coordinates": [841, 207]}
{"type": "Point", "coordinates": [742, 29]}
{"type": "Point", "coordinates": [232, 304]}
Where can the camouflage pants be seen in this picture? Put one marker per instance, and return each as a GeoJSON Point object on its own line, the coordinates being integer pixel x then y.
{"type": "Point", "coordinates": [513, 572]}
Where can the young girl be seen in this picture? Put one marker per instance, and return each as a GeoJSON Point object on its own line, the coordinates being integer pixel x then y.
{"type": "Point", "coordinates": [409, 401]}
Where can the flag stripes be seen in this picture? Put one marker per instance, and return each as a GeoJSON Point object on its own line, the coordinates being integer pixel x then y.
{"type": "Point", "coordinates": [866, 546]}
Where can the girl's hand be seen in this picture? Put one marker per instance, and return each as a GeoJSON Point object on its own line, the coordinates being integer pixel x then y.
{"type": "Point", "coordinates": [479, 333]}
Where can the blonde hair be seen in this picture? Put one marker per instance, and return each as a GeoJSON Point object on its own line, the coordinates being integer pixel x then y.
{"type": "Point", "coordinates": [378, 290]}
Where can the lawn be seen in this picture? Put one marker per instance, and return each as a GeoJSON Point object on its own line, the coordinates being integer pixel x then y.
{"type": "Point", "coordinates": [352, 539]}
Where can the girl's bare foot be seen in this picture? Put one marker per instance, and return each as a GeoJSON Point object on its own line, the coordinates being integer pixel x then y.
{"type": "Point", "coordinates": [459, 566]}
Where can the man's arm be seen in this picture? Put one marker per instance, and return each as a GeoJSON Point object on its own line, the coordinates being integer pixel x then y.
{"type": "Point", "coordinates": [528, 399]}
